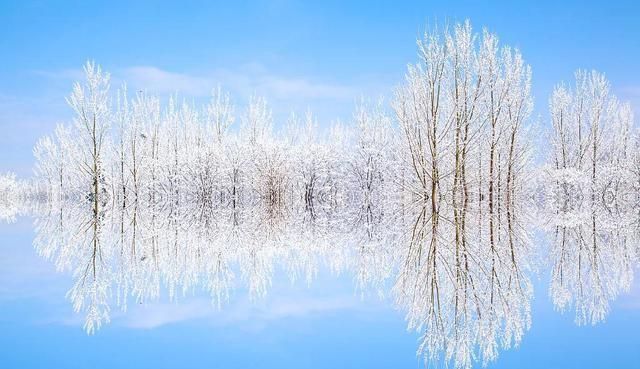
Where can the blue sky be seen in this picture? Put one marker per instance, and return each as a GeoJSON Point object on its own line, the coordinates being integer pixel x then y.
{"type": "Point", "coordinates": [318, 55]}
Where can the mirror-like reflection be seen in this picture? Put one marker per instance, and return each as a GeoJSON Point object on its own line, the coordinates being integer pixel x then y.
{"type": "Point", "coordinates": [462, 280]}
{"type": "Point", "coordinates": [594, 242]}
{"type": "Point", "coordinates": [462, 276]}
{"type": "Point", "coordinates": [439, 211]}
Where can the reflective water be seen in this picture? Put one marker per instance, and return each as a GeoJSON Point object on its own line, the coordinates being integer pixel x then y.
{"type": "Point", "coordinates": [184, 283]}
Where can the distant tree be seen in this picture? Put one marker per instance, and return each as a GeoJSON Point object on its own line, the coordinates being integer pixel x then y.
{"type": "Point", "coordinates": [592, 130]}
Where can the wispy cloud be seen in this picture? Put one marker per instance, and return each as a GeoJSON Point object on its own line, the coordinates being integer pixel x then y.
{"type": "Point", "coordinates": [285, 92]}
{"type": "Point", "coordinates": [245, 79]}
{"type": "Point", "coordinates": [160, 314]}
{"type": "Point", "coordinates": [160, 81]}
{"type": "Point", "coordinates": [243, 312]}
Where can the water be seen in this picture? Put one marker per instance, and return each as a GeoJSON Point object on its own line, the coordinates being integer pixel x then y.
{"type": "Point", "coordinates": [168, 284]}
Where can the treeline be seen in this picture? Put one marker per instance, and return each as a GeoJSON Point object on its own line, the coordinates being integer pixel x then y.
{"type": "Point", "coordinates": [440, 183]}
{"type": "Point", "coordinates": [132, 149]}
{"type": "Point", "coordinates": [461, 115]}
{"type": "Point", "coordinates": [460, 129]}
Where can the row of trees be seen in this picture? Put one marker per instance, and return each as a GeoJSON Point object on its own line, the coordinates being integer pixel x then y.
{"type": "Point", "coordinates": [460, 134]}
{"type": "Point", "coordinates": [593, 139]}
{"type": "Point", "coordinates": [130, 150]}
{"type": "Point", "coordinates": [434, 195]}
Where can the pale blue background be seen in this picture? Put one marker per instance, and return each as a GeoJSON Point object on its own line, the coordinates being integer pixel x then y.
{"type": "Point", "coordinates": [323, 55]}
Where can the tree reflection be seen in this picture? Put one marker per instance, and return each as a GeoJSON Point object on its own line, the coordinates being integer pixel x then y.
{"type": "Point", "coordinates": [460, 267]}
{"type": "Point", "coordinates": [139, 200]}
{"type": "Point", "coordinates": [594, 248]}
{"type": "Point", "coordinates": [464, 281]}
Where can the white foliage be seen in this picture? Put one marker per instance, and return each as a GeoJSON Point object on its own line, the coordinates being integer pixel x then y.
{"type": "Point", "coordinates": [138, 198]}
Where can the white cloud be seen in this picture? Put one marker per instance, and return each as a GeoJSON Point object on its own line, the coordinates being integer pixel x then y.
{"type": "Point", "coordinates": [244, 80]}
{"type": "Point", "coordinates": [243, 312]}
{"type": "Point", "coordinates": [159, 314]}
{"type": "Point", "coordinates": [285, 92]}
{"type": "Point", "coordinates": [160, 81]}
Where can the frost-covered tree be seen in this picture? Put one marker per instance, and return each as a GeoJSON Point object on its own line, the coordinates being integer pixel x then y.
{"type": "Point", "coordinates": [462, 111]}
{"type": "Point", "coordinates": [91, 105]}
{"type": "Point", "coordinates": [591, 181]}
{"type": "Point", "coordinates": [592, 132]}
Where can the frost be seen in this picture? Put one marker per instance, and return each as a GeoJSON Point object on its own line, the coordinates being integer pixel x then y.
{"type": "Point", "coordinates": [433, 203]}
